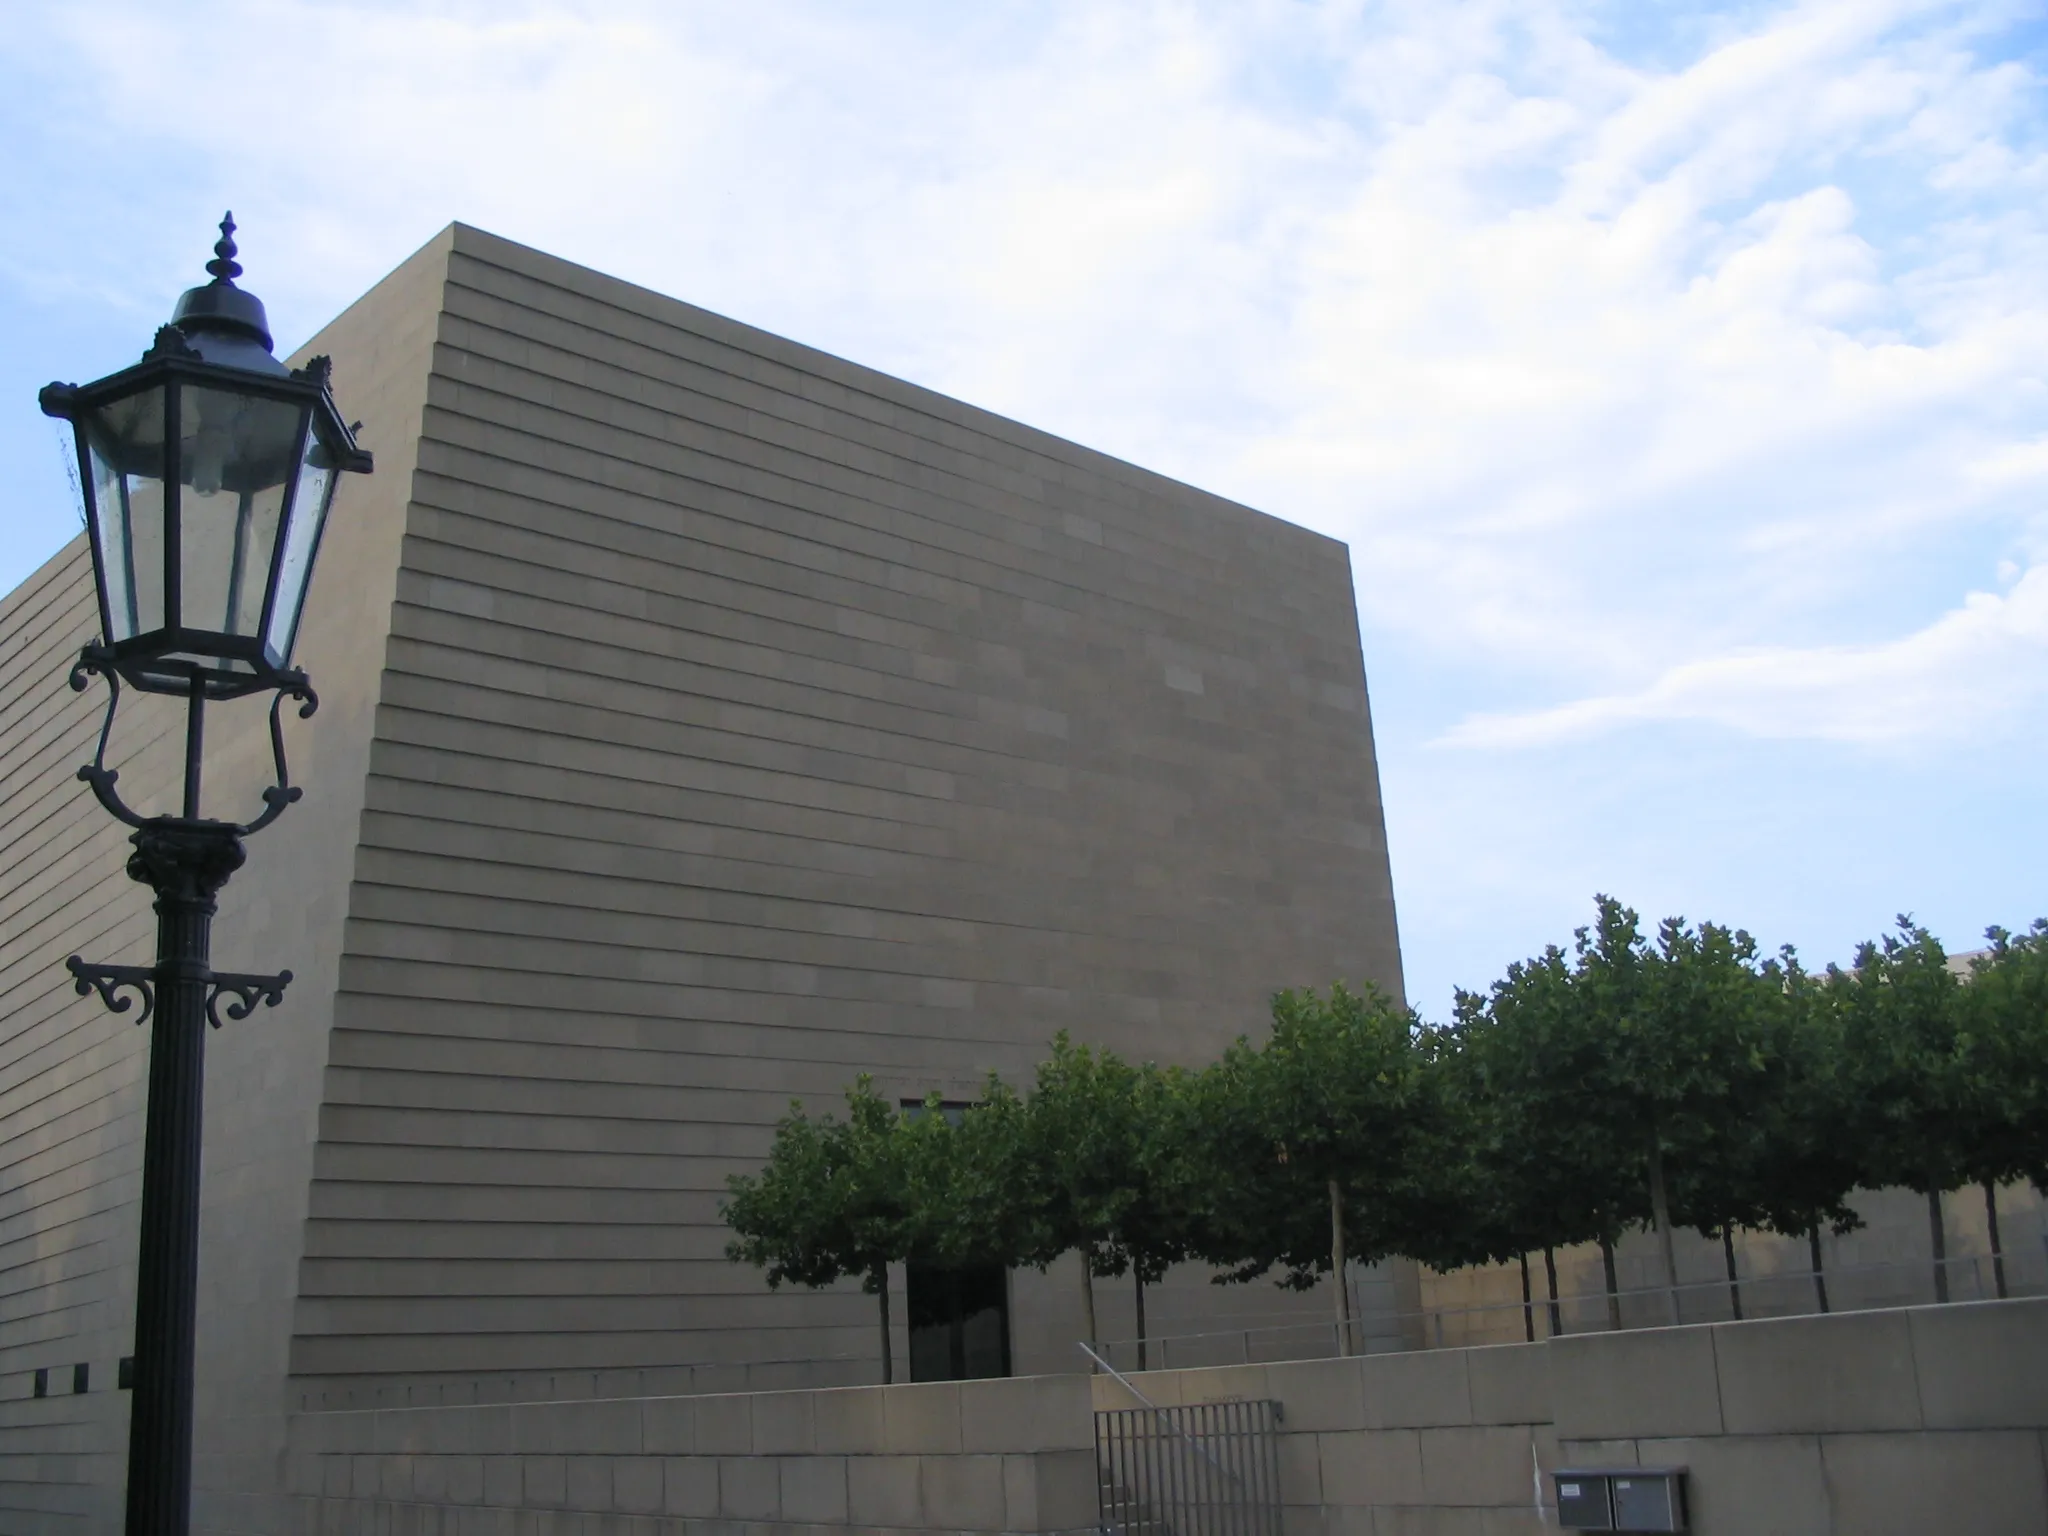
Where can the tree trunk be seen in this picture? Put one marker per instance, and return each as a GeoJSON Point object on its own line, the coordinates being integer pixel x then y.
{"type": "Point", "coordinates": [1613, 1285]}
{"type": "Point", "coordinates": [1820, 1279]}
{"type": "Point", "coordinates": [1550, 1275]}
{"type": "Point", "coordinates": [1660, 1213]}
{"type": "Point", "coordinates": [1734, 1280]}
{"type": "Point", "coordinates": [1997, 1248]}
{"type": "Point", "coordinates": [1337, 1269]}
{"type": "Point", "coordinates": [882, 1294]}
{"type": "Point", "coordinates": [1088, 1303]}
{"type": "Point", "coordinates": [1139, 1276]}
{"type": "Point", "coordinates": [1938, 1235]}
{"type": "Point", "coordinates": [1528, 1306]}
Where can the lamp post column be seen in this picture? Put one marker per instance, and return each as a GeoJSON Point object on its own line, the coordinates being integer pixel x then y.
{"type": "Point", "coordinates": [205, 428]}
{"type": "Point", "coordinates": [186, 863]}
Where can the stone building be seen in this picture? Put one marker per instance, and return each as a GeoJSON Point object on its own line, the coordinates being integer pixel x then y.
{"type": "Point", "coordinates": [704, 721]}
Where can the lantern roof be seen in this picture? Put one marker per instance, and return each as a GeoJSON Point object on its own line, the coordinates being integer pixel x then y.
{"type": "Point", "coordinates": [224, 324]}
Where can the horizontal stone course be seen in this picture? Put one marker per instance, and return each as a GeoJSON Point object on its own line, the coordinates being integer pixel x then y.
{"type": "Point", "coordinates": [1840, 1373]}
{"type": "Point", "coordinates": [690, 622]}
{"type": "Point", "coordinates": [1509, 1384]}
{"type": "Point", "coordinates": [1963, 1357]}
{"type": "Point", "coordinates": [833, 1458]}
{"type": "Point", "coordinates": [1649, 1381]}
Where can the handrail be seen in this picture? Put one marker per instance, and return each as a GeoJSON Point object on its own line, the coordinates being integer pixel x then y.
{"type": "Point", "coordinates": [1122, 1380]}
{"type": "Point", "coordinates": [1576, 1303]}
{"type": "Point", "coordinates": [1201, 1450]}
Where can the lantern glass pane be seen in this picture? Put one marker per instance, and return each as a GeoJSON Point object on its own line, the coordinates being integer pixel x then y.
{"type": "Point", "coordinates": [125, 443]}
{"type": "Point", "coordinates": [301, 542]}
{"type": "Point", "coordinates": [236, 460]}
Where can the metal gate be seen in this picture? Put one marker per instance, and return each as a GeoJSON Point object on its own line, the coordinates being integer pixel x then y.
{"type": "Point", "coordinates": [1206, 1469]}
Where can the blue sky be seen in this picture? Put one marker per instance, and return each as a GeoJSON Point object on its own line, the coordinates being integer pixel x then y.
{"type": "Point", "coordinates": [1677, 375]}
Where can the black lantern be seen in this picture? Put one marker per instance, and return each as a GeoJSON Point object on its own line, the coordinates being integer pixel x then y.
{"type": "Point", "coordinates": [206, 470]}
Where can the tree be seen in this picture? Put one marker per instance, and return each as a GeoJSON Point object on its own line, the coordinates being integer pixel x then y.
{"type": "Point", "coordinates": [2001, 1047]}
{"type": "Point", "coordinates": [1533, 1064]}
{"type": "Point", "coordinates": [1784, 1163]}
{"type": "Point", "coordinates": [966, 1200]}
{"type": "Point", "coordinates": [1153, 1228]}
{"type": "Point", "coordinates": [1900, 1009]}
{"type": "Point", "coordinates": [1311, 1142]}
{"type": "Point", "coordinates": [834, 1200]}
{"type": "Point", "coordinates": [1079, 1163]}
{"type": "Point", "coordinates": [1474, 1210]}
{"type": "Point", "coordinates": [1802, 1139]}
{"type": "Point", "coordinates": [1692, 1033]}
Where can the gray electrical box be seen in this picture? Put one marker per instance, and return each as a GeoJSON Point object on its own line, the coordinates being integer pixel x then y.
{"type": "Point", "coordinates": [1650, 1499]}
{"type": "Point", "coordinates": [1584, 1502]}
{"type": "Point", "coordinates": [1621, 1498]}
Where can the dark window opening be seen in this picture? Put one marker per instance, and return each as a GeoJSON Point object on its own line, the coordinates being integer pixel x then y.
{"type": "Point", "coordinates": [81, 1377]}
{"type": "Point", "coordinates": [959, 1318]}
{"type": "Point", "coordinates": [950, 1110]}
{"type": "Point", "coordinates": [959, 1322]}
{"type": "Point", "coordinates": [43, 1381]}
{"type": "Point", "coordinates": [124, 1373]}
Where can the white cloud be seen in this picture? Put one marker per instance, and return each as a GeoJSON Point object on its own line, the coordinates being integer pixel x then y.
{"type": "Point", "coordinates": [1981, 666]}
{"type": "Point", "coordinates": [1683, 366]}
{"type": "Point", "coordinates": [1606, 370]}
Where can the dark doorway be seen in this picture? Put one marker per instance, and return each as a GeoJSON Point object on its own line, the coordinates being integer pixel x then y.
{"type": "Point", "coordinates": [959, 1318]}
{"type": "Point", "coordinates": [959, 1322]}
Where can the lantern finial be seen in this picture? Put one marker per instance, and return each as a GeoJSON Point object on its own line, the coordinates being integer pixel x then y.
{"type": "Point", "coordinates": [225, 323]}
{"type": "Point", "coordinates": [224, 267]}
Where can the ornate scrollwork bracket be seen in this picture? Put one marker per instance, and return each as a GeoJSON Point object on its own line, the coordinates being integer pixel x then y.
{"type": "Point", "coordinates": [97, 661]}
{"type": "Point", "coordinates": [110, 980]}
{"type": "Point", "coordinates": [294, 685]}
{"type": "Point", "coordinates": [248, 992]}
{"type": "Point", "coordinates": [230, 992]}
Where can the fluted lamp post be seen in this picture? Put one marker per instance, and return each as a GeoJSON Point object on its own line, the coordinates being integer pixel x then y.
{"type": "Point", "coordinates": [206, 471]}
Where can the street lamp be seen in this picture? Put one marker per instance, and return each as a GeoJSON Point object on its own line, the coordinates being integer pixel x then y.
{"type": "Point", "coordinates": [206, 471]}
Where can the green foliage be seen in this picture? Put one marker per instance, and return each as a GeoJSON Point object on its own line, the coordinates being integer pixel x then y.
{"type": "Point", "coordinates": [1080, 1166]}
{"type": "Point", "coordinates": [1545, 1166]}
{"type": "Point", "coordinates": [848, 1197]}
{"type": "Point", "coordinates": [837, 1197]}
{"type": "Point", "coordinates": [1900, 1011]}
{"type": "Point", "coordinates": [2001, 1050]}
{"type": "Point", "coordinates": [1540, 1117]}
{"type": "Point", "coordinates": [959, 1177]}
{"type": "Point", "coordinates": [1692, 1030]}
{"type": "Point", "coordinates": [1339, 1093]}
{"type": "Point", "coordinates": [1787, 1163]}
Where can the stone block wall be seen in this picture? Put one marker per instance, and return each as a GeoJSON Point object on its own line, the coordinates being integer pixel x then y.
{"type": "Point", "coordinates": [1913, 1420]}
{"type": "Point", "coordinates": [1863, 1424]}
{"type": "Point", "coordinates": [1014, 1455]}
{"type": "Point", "coordinates": [1431, 1441]}
{"type": "Point", "coordinates": [750, 721]}
{"type": "Point", "coordinates": [1853, 1424]}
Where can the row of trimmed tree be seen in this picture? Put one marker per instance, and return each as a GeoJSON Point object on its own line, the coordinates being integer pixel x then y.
{"type": "Point", "coordinates": [1680, 1080]}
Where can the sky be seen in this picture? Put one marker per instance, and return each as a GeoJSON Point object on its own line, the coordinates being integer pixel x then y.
{"type": "Point", "coordinates": [1677, 375]}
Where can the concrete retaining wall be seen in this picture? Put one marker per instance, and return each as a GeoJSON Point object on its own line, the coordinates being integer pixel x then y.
{"type": "Point", "coordinates": [1012, 1455]}
{"type": "Point", "coordinates": [1914, 1420]}
{"type": "Point", "coordinates": [1863, 1424]}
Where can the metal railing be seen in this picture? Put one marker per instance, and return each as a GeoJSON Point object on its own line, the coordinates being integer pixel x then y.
{"type": "Point", "coordinates": [1773, 1293]}
{"type": "Point", "coordinates": [1203, 1469]}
